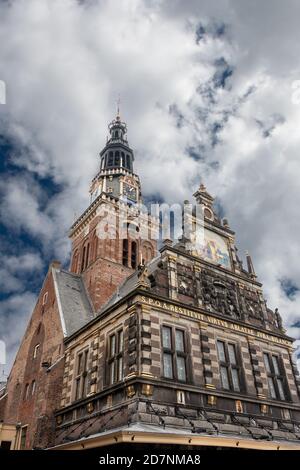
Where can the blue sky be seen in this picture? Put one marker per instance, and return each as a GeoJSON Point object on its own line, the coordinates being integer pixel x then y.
{"type": "Point", "coordinates": [207, 90]}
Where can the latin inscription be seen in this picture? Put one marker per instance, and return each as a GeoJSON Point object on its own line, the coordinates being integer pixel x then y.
{"type": "Point", "coordinates": [212, 320]}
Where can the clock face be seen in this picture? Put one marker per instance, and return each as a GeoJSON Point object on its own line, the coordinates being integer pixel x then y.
{"type": "Point", "coordinates": [130, 192]}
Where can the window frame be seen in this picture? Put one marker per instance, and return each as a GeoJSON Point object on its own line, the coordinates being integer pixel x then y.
{"type": "Point", "coordinates": [125, 252]}
{"type": "Point", "coordinates": [274, 377]}
{"type": "Point", "coordinates": [175, 353]}
{"type": "Point", "coordinates": [230, 366]}
{"type": "Point", "coordinates": [80, 379]}
{"type": "Point", "coordinates": [115, 360]}
{"type": "Point", "coordinates": [23, 437]}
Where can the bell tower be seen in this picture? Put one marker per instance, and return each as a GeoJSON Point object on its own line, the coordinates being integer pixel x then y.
{"type": "Point", "coordinates": [114, 235]}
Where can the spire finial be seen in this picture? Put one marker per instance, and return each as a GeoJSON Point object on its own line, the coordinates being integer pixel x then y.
{"type": "Point", "coordinates": [118, 107]}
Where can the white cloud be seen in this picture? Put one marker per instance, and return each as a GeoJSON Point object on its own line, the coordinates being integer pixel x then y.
{"type": "Point", "coordinates": [17, 310]}
{"type": "Point", "coordinates": [64, 63]}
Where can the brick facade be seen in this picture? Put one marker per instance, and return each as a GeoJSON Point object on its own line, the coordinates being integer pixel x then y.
{"type": "Point", "coordinates": [34, 391]}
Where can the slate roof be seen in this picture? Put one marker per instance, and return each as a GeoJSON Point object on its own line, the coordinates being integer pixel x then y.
{"type": "Point", "coordinates": [75, 307]}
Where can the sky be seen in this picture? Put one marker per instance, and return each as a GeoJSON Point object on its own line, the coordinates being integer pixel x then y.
{"type": "Point", "coordinates": [210, 91]}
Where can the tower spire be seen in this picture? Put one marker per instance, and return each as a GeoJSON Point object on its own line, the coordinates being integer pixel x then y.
{"type": "Point", "coordinates": [118, 117]}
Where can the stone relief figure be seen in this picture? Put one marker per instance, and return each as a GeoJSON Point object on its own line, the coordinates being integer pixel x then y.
{"type": "Point", "coordinates": [185, 286]}
{"type": "Point", "coordinates": [220, 296]}
{"type": "Point", "coordinates": [278, 319]}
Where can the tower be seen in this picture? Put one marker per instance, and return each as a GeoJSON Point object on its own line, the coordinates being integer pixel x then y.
{"type": "Point", "coordinates": [114, 234]}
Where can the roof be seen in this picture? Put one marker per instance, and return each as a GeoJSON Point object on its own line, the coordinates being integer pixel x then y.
{"type": "Point", "coordinates": [152, 434]}
{"type": "Point", "coordinates": [75, 307]}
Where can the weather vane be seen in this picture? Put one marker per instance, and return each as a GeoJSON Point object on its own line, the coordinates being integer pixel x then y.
{"type": "Point", "coordinates": [118, 105]}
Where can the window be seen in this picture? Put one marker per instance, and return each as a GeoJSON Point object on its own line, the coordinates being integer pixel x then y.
{"type": "Point", "coordinates": [36, 350]}
{"type": "Point", "coordinates": [26, 391]}
{"type": "Point", "coordinates": [174, 354]}
{"type": "Point", "coordinates": [23, 437]}
{"type": "Point", "coordinates": [230, 369]}
{"type": "Point", "coordinates": [133, 254]}
{"type": "Point", "coordinates": [83, 259]}
{"type": "Point", "coordinates": [125, 252]}
{"type": "Point", "coordinates": [75, 262]}
{"type": "Point", "coordinates": [115, 357]}
{"type": "Point", "coordinates": [87, 255]}
{"type": "Point", "coordinates": [117, 158]}
{"type": "Point", "coordinates": [81, 375]}
{"type": "Point", "coordinates": [110, 161]}
{"type": "Point", "coordinates": [276, 378]}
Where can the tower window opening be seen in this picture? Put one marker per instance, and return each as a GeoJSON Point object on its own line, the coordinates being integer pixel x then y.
{"type": "Point", "coordinates": [75, 262]}
{"type": "Point", "coordinates": [26, 392]}
{"type": "Point", "coordinates": [133, 254]}
{"type": "Point", "coordinates": [128, 162]}
{"type": "Point", "coordinates": [125, 252]}
{"type": "Point", "coordinates": [83, 259]}
{"type": "Point", "coordinates": [117, 158]}
{"type": "Point", "coordinates": [122, 159]}
{"type": "Point", "coordinates": [110, 161]}
{"type": "Point", "coordinates": [87, 255]}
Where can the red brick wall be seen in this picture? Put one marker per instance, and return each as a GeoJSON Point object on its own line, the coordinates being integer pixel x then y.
{"type": "Point", "coordinates": [44, 328]}
{"type": "Point", "coordinates": [105, 270]}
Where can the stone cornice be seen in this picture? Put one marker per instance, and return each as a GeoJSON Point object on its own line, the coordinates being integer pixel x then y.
{"type": "Point", "coordinates": [193, 313]}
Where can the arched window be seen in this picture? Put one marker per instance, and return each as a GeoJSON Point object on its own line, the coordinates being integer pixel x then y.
{"type": "Point", "coordinates": [122, 159]}
{"type": "Point", "coordinates": [87, 255]}
{"type": "Point", "coordinates": [26, 392]}
{"type": "Point", "coordinates": [75, 262]}
{"type": "Point", "coordinates": [110, 161]}
{"type": "Point", "coordinates": [117, 158]}
{"type": "Point", "coordinates": [125, 252]}
{"type": "Point", "coordinates": [128, 162]}
{"type": "Point", "coordinates": [83, 259]}
{"type": "Point", "coordinates": [95, 246]}
{"type": "Point", "coordinates": [133, 255]}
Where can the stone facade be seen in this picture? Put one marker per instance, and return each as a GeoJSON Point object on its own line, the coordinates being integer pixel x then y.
{"type": "Point", "coordinates": [145, 396]}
